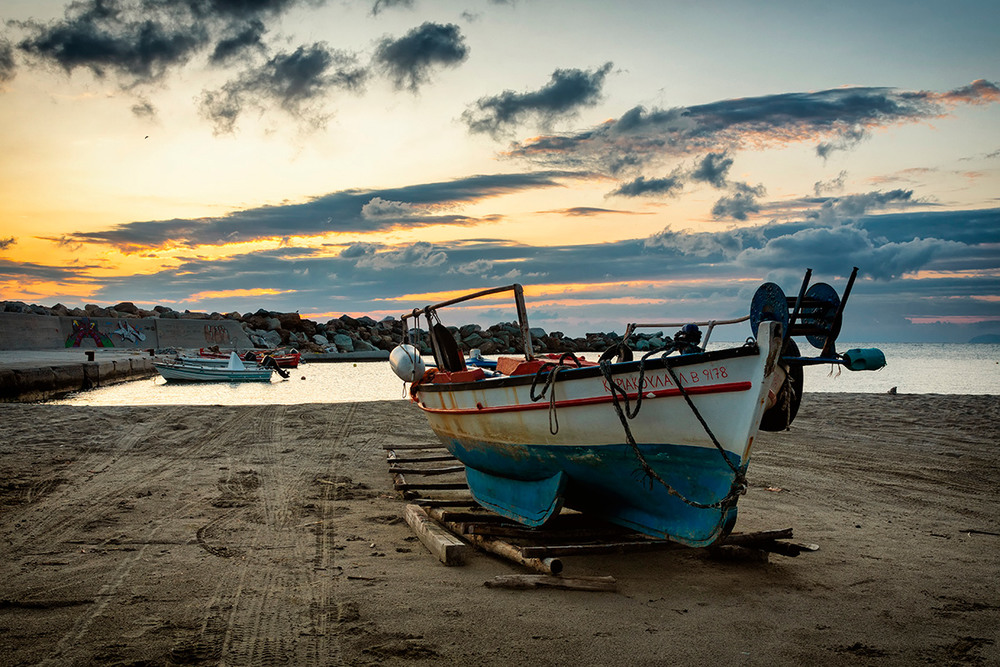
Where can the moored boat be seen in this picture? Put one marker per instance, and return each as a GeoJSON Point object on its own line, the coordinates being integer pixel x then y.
{"type": "Point", "coordinates": [285, 358]}
{"type": "Point", "coordinates": [659, 444]}
{"type": "Point", "coordinates": [233, 371]}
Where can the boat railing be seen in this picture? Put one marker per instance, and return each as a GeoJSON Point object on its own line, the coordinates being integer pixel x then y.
{"type": "Point", "coordinates": [710, 324]}
{"type": "Point", "coordinates": [440, 345]}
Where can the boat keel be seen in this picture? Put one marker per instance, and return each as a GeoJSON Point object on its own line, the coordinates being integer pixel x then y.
{"type": "Point", "coordinates": [529, 502]}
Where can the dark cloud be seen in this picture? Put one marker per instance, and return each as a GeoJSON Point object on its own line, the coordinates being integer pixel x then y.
{"type": "Point", "coordinates": [586, 211]}
{"type": "Point", "coordinates": [297, 82]}
{"type": "Point", "coordinates": [144, 109]}
{"type": "Point", "coordinates": [567, 91]}
{"type": "Point", "coordinates": [715, 273]}
{"type": "Point", "coordinates": [136, 41]}
{"type": "Point", "coordinates": [833, 185]}
{"type": "Point", "coordinates": [249, 37]}
{"type": "Point", "coordinates": [740, 203]}
{"type": "Point", "coordinates": [28, 271]}
{"type": "Point", "coordinates": [409, 60]}
{"type": "Point", "coordinates": [713, 169]}
{"type": "Point", "coordinates": [835, 118]}
{"type": "Point", "coordinates": [7, 242]}
{"type": "Point", "coordinates": [7, 66]}
{"type": "Point", "coordinates": [382, 5]}
{"type": "Point", "coordinates": [140, 42]}
{"type": "Point", "coordinates": [345, 211]}
{"type": "Point", "coordinates": [830, 249]}
{"type": "Point", "coordinates": [642, 186]}
{"type": "Point", "coordinates": [836, 209]}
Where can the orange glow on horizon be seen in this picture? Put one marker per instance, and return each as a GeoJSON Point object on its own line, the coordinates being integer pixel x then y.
{"type": "Point", "coordinates": [221, 294]}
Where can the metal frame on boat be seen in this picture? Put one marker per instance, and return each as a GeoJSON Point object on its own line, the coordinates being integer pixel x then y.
{"type": "Point", "coordinates": [659, 444]}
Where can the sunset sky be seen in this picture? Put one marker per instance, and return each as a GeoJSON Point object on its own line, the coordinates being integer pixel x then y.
{"type": "Point", "coordinates": [631, 161]}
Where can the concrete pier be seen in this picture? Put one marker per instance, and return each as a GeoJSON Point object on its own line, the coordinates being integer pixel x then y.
{"type": "Point", "coordinates": [38, 375]}
{"type": "Point", "coordinates": [44, 356]}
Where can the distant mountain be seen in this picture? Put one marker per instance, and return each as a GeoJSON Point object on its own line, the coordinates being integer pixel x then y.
{"type": "Point", "coordinates": [992, 339]}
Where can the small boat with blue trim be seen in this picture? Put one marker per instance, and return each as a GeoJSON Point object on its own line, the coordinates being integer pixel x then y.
{"type": "Point", "coordinates": [658, 444]}
{"type": "Point", "coordinates": [210, 370]}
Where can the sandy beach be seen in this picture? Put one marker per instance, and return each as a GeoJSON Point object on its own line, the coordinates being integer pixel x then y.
{"type": "Point", "coordinates": [265, 535]}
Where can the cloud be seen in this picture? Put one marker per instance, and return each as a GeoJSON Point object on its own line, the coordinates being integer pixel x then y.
{"type": "Point", "coordinates": [475, 267]}
{"type": "Point", "coordinates": [567, 91]}
{"type": "Point", "coordinates": [140, 42]}
{"type": "Point", "coordinates": [846, 139]}
{"type": "Point", "coordinates": [359, 250]}
{"type": "Point", "coordinates": [248, 37]}
{"type": "Point", "coordinates": [641, 186]}
{"type": "Point", "coordinates": [836, 119]}
{"type": "Point", "coordinates": [586, 211]}
{"type": "Point", "coordinates": [297, 82]}
{"type": "Point", "coordinates": [419, 255]}
{"type": "Point", "coordinates": [409, 60]}
{"type": "Point", "coordinates": [342, 211]}
{"type": "Point", "coordinates": [833, 185]}
{"type": "Point", "coordinates": [382, 5]}
{"type": "Point", "coordinates": [710, 274]}
{"type": "Point", "coordinates": [724, 245]}
{"type": "Point", "coordinates": [713, 169]}
{"type": "Point", "coordinates": [136, 41]}
{"type": "Point", "coordinates": [836, 209]}
{"type": "Point", "coordinates": [7, 67]}
{"type": "Point", "coordinates": [381, 208]}
{"type": "Point", "coordinates": [740, 203]}
{"type": "Point", "coordinates": [144, 109]}
{"type": "Point", "coordinates": [830, 249]}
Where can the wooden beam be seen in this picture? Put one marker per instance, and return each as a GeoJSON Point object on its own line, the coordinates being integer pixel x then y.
{"type": "Point", "coordinates": [760, 536]}
{"type": "Point", "coordinates": [426, 471]}
{"type": "Point", "coordinates": [513, 553]}
{"type": "Point", "coordinates": [449, 549]}
{"type": "Point", "coordinates": [400, 447]}
{"type": "Point", "coordinates": [524, 581]}
{"type": "Point", "coordinates": [444, 502]}
{"type": "Point", "coordinates": [438, 458]}
{"type": "Point", "coordinates": [599, 548]}
{"type": "Point", "coordinates": [440, 486]}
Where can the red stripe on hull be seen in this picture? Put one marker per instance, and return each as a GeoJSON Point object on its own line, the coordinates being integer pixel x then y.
{"type": "Point", "coordinates": [544, 405]}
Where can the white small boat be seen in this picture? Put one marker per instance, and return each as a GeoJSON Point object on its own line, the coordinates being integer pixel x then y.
{"type": "Point", "coordinates": [187, 370]}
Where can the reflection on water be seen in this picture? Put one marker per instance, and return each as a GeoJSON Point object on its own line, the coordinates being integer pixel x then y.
{"type": "Point", "coordinates": [912, 368]}
{"type": "Point", "coordinates": [309, 383]}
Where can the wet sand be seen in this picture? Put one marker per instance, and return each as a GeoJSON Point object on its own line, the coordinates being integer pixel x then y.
{"type": "Point", "coordinates": [272, 535]}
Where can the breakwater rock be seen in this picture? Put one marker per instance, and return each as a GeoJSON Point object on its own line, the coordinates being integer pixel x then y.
{"type": "Point", "coordinates": [269, 329]}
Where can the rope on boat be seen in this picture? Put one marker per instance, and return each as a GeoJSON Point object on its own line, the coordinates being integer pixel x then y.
{"type": "Point", "coordinates": [551, 371]}
{"type": "Point", "coordinates": [739, 485]}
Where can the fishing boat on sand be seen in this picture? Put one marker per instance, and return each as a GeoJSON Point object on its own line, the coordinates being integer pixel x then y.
{"type": "Point", "coordinates": [659, 444]}
{"type": "Point", "coordinates": [235, 370]}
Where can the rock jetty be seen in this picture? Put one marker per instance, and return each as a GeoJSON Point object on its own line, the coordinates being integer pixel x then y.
{"type": "Point", "coordinates": [269, 329]}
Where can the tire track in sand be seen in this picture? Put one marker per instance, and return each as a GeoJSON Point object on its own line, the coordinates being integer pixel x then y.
{"type": "Point", "coordinates": [286, 541]}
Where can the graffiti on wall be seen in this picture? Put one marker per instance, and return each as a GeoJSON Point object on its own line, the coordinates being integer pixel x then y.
{"type": "Point", "coordinates": [216, 333]}
{"type": "Point", "coordinates": [128, 332]}
{"type": "Point", "coordinates": [83, 329]}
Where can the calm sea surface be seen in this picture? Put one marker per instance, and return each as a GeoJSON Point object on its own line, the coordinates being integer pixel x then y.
{"type": "Point", "coordinates": [913, 368]}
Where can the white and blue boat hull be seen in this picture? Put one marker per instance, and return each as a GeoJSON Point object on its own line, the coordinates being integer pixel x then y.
{"type": "Point", "coordinates": [526, 459]}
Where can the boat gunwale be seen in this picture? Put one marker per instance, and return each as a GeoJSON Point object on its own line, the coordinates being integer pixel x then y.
{"type": "Point", "coordinates": [574, 373]}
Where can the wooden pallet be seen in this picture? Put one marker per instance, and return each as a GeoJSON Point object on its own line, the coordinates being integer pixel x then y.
{"type": "Point", "coordinates": [443, 514]}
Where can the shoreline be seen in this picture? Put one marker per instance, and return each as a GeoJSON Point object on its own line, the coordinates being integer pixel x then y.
{"type": "Point", "coordinates": [180, 534]}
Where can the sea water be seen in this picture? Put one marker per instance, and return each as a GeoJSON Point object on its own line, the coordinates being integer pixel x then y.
{"type": "Point", "coordinates": [912, 368]}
